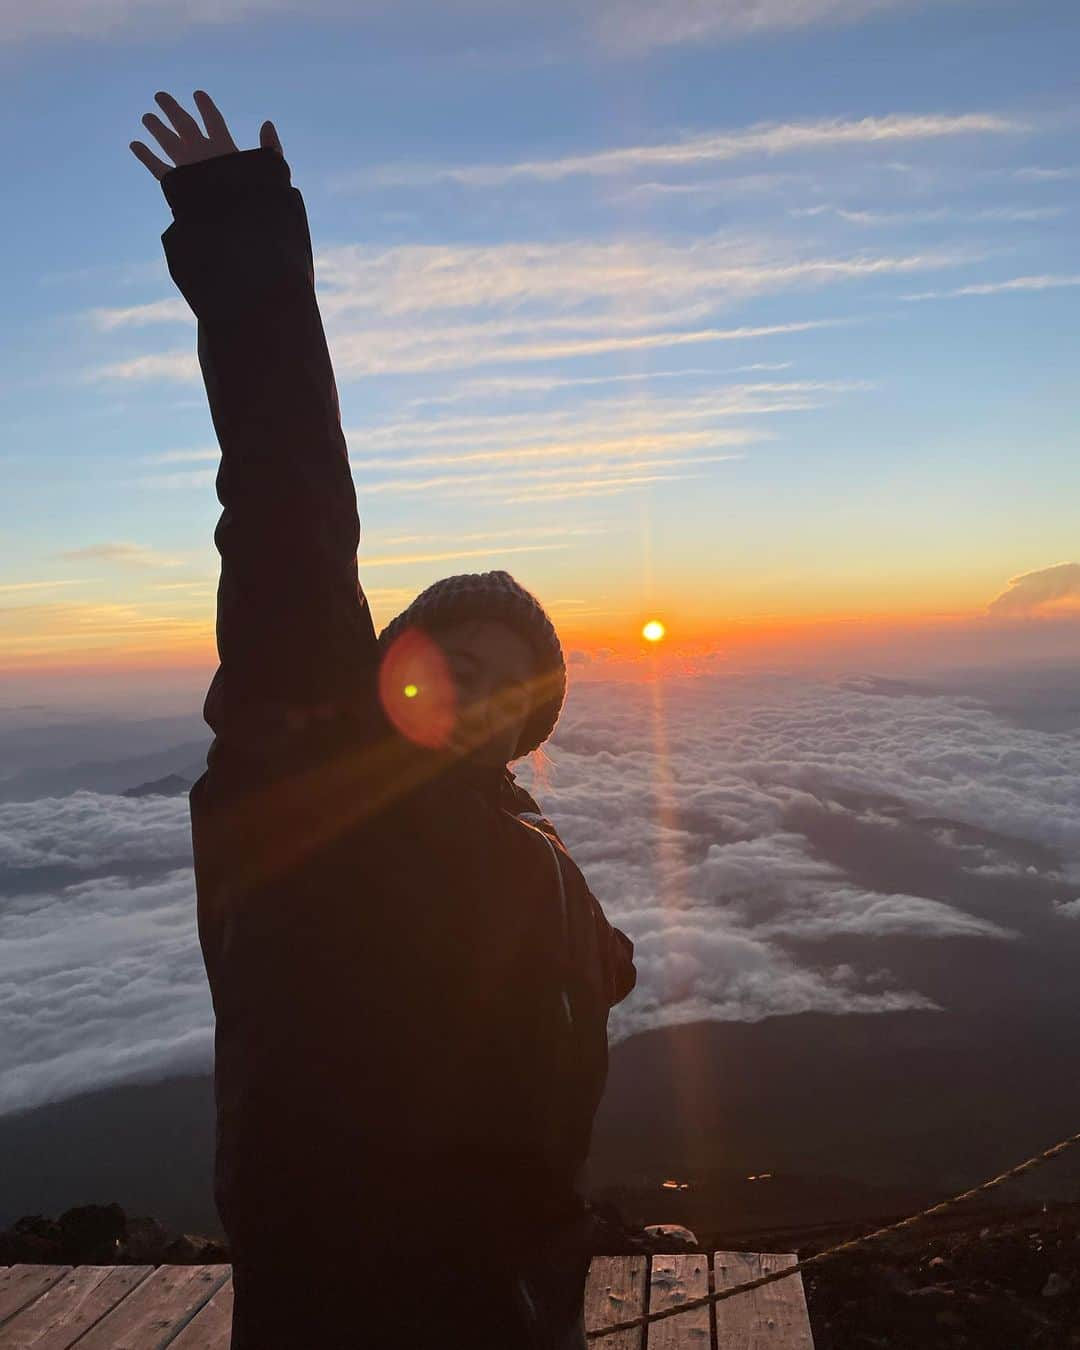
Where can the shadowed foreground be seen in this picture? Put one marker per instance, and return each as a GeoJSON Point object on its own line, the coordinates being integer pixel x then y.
{"type": "Point", "coordinates": [139, 1307]}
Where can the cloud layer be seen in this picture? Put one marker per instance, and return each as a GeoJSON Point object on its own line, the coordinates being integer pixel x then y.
{"type": "Point", "coordinates": [101, 978]}
{"type": "Point", "coordinates": [692, 810]}
{"type": "Point", "coordinates": [1034, 592]}
{"type": "Point", "coordinates": [683, 816]}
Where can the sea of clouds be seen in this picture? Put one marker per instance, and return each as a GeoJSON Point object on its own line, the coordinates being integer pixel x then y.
{"type": "Point", "coordinates": [682, 802]}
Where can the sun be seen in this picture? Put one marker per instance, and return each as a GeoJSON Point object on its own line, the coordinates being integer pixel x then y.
{"type": "Point", "coordinates": [653, 631]}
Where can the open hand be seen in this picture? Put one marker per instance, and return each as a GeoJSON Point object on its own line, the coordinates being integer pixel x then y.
{"type": "Point", "coordinates": [186, 142]}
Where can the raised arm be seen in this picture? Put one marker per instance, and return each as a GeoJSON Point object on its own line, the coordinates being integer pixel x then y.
{"type": "Point", "coordinates": [294, 630]}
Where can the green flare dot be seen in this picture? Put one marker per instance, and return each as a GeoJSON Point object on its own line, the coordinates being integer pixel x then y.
{"type": "Point", "coordinates": [411, 691]}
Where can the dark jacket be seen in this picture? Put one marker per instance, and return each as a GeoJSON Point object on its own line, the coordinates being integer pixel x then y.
{"type": "Point", "coordinates": [382, 933]}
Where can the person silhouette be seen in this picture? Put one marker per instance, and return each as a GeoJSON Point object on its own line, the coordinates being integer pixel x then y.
{"type": "Point", "coordinates": [411, 978]}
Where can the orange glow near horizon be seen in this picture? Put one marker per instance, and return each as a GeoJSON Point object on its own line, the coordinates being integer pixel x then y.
{"type": "Point", "coordinates": [67, 646]}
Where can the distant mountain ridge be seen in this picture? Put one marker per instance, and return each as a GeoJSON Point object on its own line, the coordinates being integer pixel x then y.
{"type": "Point", "coordinates": [115, 776]}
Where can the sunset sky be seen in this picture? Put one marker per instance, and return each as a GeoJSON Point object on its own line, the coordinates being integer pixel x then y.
{"type": "Point", "coordinates": [759, 317]}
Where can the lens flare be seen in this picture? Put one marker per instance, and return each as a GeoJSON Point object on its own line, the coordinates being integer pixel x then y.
{"type": "Point", "coordinates": [653, 631]}
{"type": "Point", "coordinates": [415, 662]}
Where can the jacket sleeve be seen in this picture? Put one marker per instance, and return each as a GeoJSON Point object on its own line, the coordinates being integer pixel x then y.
{"type": "Point", "coordinates": [604, 951]}
{"type": "Point", "coordinates": [621, 961]}
{"type": "Point", "coordinates": [294, 631]}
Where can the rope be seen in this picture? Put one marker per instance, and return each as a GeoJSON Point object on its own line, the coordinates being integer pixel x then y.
{"type": "Point", "coordinates": [718, 1296]}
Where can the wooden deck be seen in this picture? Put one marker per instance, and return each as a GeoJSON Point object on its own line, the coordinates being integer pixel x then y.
{"type": "Point", "coordinates": [190, 1307]}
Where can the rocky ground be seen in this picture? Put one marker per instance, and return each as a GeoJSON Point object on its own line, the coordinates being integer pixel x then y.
{"type": "Point", "coordinates": [993, 1280]}
{"type": "Point", "coordinates": [103, 1235]}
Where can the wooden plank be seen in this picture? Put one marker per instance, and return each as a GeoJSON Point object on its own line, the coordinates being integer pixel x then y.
{"type": "Point", "coordinates": [154, 1313]}
{"type": "Point", "coordinates": [59, 1317]}
{"type": "Point", "coordinates": [20, 1285]}
{"type": "Point", "coordinates": [210, 1329]}
{"type": "Point", "coordinates": [615, 1292]}
{"type": "Point", "coordinates": [673, 1280]}
{"type": "Point", "coordinates": [773, 1317]}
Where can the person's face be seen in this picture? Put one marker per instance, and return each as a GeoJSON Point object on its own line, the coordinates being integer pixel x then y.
{"type": "Point", "coordinates": [492, 668]}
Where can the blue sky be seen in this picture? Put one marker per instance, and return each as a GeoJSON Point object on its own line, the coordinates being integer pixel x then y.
{"type": "Point", "coordinates": [740, 312]}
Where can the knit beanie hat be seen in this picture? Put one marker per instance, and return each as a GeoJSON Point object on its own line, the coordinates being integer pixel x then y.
{"type": "Point", "coordinates": [496, 596]}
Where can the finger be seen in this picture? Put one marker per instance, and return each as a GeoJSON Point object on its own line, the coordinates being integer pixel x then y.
{"type": "Point", "coordinates": [182, 120]}
{"type": "Point", "coordinates": [216, 127]}
{"type": "Point", "coordinates": [169, 141]}
{"type": "Point", "coordinates": [146, 156]}
{"type": "Point", "coordinates": [269, 139]}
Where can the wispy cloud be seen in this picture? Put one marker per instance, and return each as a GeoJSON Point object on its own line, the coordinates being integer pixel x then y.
{"type": "Point", "coordinates": [492, 539]}
{"type": "Point", "coordinates": [594, 487]}
{"type": "Point", "coordinates": [630, 26]}
{"type": "Point", "coordinates": [727, 186]}
{"type": "Point", "coordinates": [512, 386]}
{"type": "Point", "coordinates": [595, 478]}
{"type": "Point", "coordinates": [453, 555]}
{"type": "Point", "coordinates": [761, 139]}
{"type": "Point", "coordinates": [137, 316]}
{"type": "Point", "coordinates": [38, 631]}
{"type": "Point", "coordinates": [177, 365]}
{"type": "Point", "coordinates": [134, 554]}
{"type": "Point", "coordinates": [18, 587]}
{"type": "Point", "coordinates": [617, 28]}
{"type": "Point", "coordinates": [206, 584]}
{"type": "Point", "coordinates": [604, 485]}
{"type": "Point", "coordinates": [1045, 282]}
{"type": "Point", "coordinates": [1047, 173]}
{"type": "Point", "coordinates": [371, 352]}
{"type": "Point", "coordinates": [514, 485]}
{"type": "Point", "coordinates": [106, 18]}
{"type": "Point", "coordinates": [1006, 215]}
{"type": "Point", "coordinates": [628, 448]}
{"type": "Point", "coordinates": [603, 421]}
{"type": "Point", "coordinates": [364, 354]}
{"type": "Point", "coordinates": [197, 456]}
{"type": "Point", "coordinates": [429, 308]}
{"type": "Point", "coordinates": [592, 449]}
{"type": "Point", "coordinates": [642, 276]}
